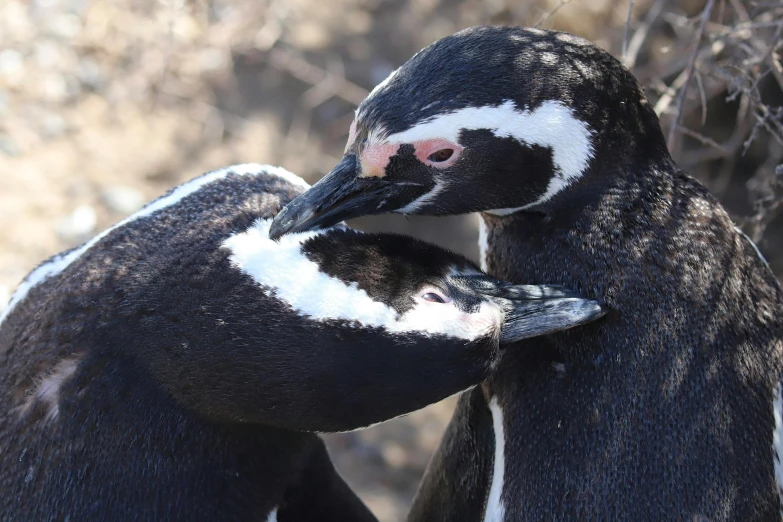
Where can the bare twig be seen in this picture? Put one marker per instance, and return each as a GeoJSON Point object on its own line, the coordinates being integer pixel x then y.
{"type": "Point", "coordinates": [772, 122]}
{"type": "Point", "coordinates": [303, 70]}
{"type": "Point", "coordinates": [702, 98]}
{"type": "Point", "coordinates": [667, 97]}
{"type": "Point", "coordinates": [705, 15]}
{"type": "Point", "coordinates": [728, 147]}
{"type": "Point", "coordinates": [299, 131]}
{"type": "Point", "coordinates": [774, 42]}
{"type": "Point", "coordinates": [776, 69]}
{"type": "Point", "coordinates": [551, 13]}
{"type": "Point", "coordinates": [764, 188]}
{"type": "Point", "coordinates": [742, 13]}
{"type": "Point", "coordinates": [208, 112]}
{"type": "Point", "coordinates": [627, 27]}
{"type": "Point", "coordinates": [635, 44]}
{"type": "Point", "coordinates": [703, 139]}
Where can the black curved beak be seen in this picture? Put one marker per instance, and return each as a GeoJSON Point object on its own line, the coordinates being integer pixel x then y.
{"type": "Point", "coordinates": [342, 194]}
{"type": "Point", "coordinates": [532, 310]}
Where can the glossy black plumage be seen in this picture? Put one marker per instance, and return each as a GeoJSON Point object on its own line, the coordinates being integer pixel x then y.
{"type": "Point", "coordinates": [151, 376]}
{"type": "Point", "coordinates": [662, 411]}
{"type": "Point", "coordinates": [142, 312]}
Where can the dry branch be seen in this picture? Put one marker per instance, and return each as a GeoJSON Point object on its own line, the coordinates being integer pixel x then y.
{"type": "Point", "coordinates": [705, 15]}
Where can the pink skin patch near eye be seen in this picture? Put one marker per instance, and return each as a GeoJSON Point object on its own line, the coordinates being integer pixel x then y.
{"type": "Point", "coordinates": [426, 148]}
{"type": "Point", "coordinates": [375, 157]}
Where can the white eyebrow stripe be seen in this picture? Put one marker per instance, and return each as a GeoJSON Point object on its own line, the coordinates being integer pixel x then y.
{"type": "Point", "coordinates": [62, 261]}
{"type": "Point", "coordinates": [424, 198]}
{"type": "Point", "coordinates": [552, 125]}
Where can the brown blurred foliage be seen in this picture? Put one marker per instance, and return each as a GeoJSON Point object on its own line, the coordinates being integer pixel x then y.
{"type": "Point", "coordinates": [105, 104]}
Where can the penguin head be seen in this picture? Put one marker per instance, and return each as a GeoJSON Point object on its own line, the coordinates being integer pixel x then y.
{"type": "Point", "coordinates": [527, 115]}
{"type": "Point", "coordinates": [395, 284]}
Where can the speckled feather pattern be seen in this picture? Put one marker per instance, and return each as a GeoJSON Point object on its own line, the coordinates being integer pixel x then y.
{"type": "Point", "coordinates": [663, 410]}
{"type": "Point", "coordinates": [179, 364]}
{"type": "Point", "coordinates": [71, 465]}
{"type": "Point", "coordinates": [150, 379]}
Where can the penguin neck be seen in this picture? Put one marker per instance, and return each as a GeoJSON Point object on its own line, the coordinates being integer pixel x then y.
{"type": "Point", "coordinates": [629, 157]}
{"type": "Point", "coordinates": [612, 187]}
{"type": "Point", "coordinates": [617, 235]}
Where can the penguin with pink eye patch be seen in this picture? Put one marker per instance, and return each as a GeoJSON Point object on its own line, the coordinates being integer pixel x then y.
{"type": "Point", "coordinates": [671, 407]}
{"type": "Point", "coordinates": [179, 365]}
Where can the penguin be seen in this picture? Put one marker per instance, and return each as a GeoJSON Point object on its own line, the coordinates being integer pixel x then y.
{"type": "Point", "coordinates": [667, 409]}
{"type": "Point", "coordinates": [180, 365]}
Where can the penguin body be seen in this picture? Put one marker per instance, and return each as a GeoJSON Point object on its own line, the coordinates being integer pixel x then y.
{"type": "Point", "coordinates": [669, 408]}
{"type": "Point", "coordinates": [179, 365]}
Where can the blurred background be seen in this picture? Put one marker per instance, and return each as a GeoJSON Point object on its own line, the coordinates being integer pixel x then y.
{"type": "Point", "coordinates": [107, 104]}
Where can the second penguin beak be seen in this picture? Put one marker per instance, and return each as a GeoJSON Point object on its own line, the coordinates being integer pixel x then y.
{"type": "Point", "coordinates": [532, 310]}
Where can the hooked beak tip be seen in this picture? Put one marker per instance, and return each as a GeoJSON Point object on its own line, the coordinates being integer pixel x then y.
{"type": "Point", "coordinates": [278, 228]}
{"type": "Point", "coordinates": [286, 223]}
{"type": "Point", "coordinates": [596, 310]}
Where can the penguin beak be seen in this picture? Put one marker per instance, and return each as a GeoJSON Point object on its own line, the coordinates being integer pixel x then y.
{"type": "Point", "coordinates": [342, 194]}
{"type": "Point", "coordinates": [532, 310]}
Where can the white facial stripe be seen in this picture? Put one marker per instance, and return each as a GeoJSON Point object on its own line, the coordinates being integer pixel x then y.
{"type": "Point", "coordinates": [495, 509]}
{"type": "Point", "coordinates": [272, 516]}
{"type": "Point", "coordinates": [63, 261]}
{"type": "Point", "coordinates": [777, 441]}
{"type": "Point", "coordinates": [448, 319]}
{"type": "Point", "coordinates": [285, 272]}
{"type": "Point", "coordinates": [423, 199]}
{"type": "Point", "coordinates": [551, 125]}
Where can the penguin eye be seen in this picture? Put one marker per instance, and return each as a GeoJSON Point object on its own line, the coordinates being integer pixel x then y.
{"type": "Point", "coordinates": [437, 152]}
{"type": "Point", "coordinates": [439, 156]}
{"type": "Point", "coordinates": [432, 297]}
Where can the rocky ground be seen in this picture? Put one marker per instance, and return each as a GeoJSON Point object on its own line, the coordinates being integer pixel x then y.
{"type": "Point", "coordinates": [107, 104]}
